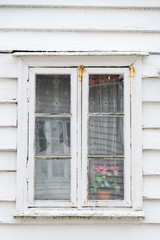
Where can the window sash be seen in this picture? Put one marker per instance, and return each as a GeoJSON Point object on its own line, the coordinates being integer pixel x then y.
{"type": "Point", "coordinates": [127, 173]}
{"type": "Point", "coordinates": [73, 118]}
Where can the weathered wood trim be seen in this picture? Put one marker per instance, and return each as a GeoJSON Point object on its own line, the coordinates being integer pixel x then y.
{"type": "Point", "coordinates": [22, 135]}
{"type": "Point", "coordinates": [103, 213]}
{"type": "Point", "coordinates": [136, 135]}
{"type": "Point", "coordinates": [26, 62]}
{"type": "Point", "coordinates": [82, 53]}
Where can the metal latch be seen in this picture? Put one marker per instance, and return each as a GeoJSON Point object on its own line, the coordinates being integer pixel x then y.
{"type": "Point", "coordinates": [132, 72]}
{"type": "Point", "coordinates": [81, 71]}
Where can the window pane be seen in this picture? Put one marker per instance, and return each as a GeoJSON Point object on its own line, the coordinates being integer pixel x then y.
{"type": "Point", "coordinates": [52, 179]}
{"type": "Point", "coordinates": [52, 136]}
{"type": "Point", "coordinates": [105, 93]}
{"type": "Point", "coordinates": [53, 93]}
{"type": "Point", "coordinates": [105, 179]}
{"type": "Point", "coordinates": [106, 136]}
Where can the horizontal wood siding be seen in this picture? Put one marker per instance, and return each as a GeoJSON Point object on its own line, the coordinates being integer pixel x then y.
{"type": "Point", "coordinates": [8, 161]}
{"type": "Point", "coordinates": [6, 211]}
{"type": "Point", "coordinates": [81, 41]}
{"type": "Point", "coordinates": [151, 162]}
{"type": "Point", "coordinates": [8, 130]}
{"type": "Point", "coordinates": [96, 25]}
{"type": "Point", "coordinates": [8, 89]}
{"type": "Point", "coordinates": [8, 113]}
{"type": "Point", "coordinates": [8, 65]}
{"type": "Point", "coordinates": [151, 114]}
{"type": "Point", "coordinates": [151, 188]}
{"type": "Point", "coordinates": [8, 139]}
{"type": "Point", "coordinates": [151, 138]}
{"type": "Point", "coordinates": [151, 66]}
{"type": "Point", "coordinates": [152, 209]}
{"type": "Point", "coordinates": [7, 186]}
{"type": "Point", "coordinates": [150, 86]}
{"type": "Point", "coordinates": [51, 19]}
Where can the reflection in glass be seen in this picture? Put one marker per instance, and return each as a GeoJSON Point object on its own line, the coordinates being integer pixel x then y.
{"type": "Point", "coordinates": [52, 179]}
{"type": "Point", "coordinates": [106, 136]}
{"type": "Point", "coordinates": [105, 93]}
{"type": "Point", "coordinates": [105, 179]}
{"type": "Point", "coordinates": [53, 93]}
{"type": "Point", "coordinates": [52, 136]}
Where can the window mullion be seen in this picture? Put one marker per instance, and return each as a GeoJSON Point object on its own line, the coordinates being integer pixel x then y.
{"type": "Point", "coordinates": [79, 167]}
{"type": "Point", "coordinates": [84, 160]}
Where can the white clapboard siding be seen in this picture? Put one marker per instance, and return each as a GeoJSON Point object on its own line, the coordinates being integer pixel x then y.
{"type": "Point", "coordinates": [151, 115]}
{"type": "Point", "coordinates": [79, 41]}
{"type": "Point", "coordinates": [6, 211]}
{"type": "Point", "coordinates": [151, 138]}
{"type": "Point", "coordinates": [8, 113]}
{"type": "Point", "coordinates": [8, 139]}
{"type": "Point", "coordinates": [8, 64]}
{"type": "Point", "coordinates": [151, 66]}
{"type": "Point", "coordinates": [8, 89]}
{"type": "Point", "coordinates": [83, 3]}
{"type": "Point", "coordinates": [151, 189]}
{"type": "Point", "coordinates": [81, 231]}
{"type": "Point", "coordinates": [7, 186]}
{"type": "Point", "coordinates": [79, 19]}
{"type": "Point", "coordinates": [8, 161]}
{"type": "Point", "coordinates": [151, 162]}
{"type": "Point", "coordinates": [150, 89]}
{"type": "Point", "coordinates": [152, 210]}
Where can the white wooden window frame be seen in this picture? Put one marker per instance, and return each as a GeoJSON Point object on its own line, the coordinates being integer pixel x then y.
{"type": "Point", "coordinates": [133, 195]}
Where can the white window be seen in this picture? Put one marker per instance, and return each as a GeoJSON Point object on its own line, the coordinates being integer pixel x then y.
{"type": "Point", "coordinates": [78, 138]}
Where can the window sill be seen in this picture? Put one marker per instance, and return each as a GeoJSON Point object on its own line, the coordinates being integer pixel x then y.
{"type": "Point", "coordinates": [83, 213]}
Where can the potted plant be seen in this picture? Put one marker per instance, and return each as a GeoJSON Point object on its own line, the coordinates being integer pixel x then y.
{"type": "Point", "coordinates": [106, 181]}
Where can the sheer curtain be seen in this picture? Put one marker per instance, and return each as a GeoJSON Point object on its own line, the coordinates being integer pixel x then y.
{"type": "Point", "coordinates": [106, 137]}
{"type": "Point", "coordinates": [52, 137]}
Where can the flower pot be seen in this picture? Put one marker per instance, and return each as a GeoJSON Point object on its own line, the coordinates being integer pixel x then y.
{"type": "Point", "coordinates": [104, 195]}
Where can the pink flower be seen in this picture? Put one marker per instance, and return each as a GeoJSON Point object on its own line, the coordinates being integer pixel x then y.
{"type": "Point", "coordinates": [113, 168]}
{"type": "Point", "coordinates": [102, 169]}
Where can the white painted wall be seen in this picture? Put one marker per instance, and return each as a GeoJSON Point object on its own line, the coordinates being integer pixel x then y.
{"type": "Point", "coordinates": [82, 26]}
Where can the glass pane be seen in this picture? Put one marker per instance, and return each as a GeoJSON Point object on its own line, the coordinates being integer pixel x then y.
{"type": "Point", "coordinates": [105, 179]}
{"type": "Point", "coordinates": [52, 179]}
{"type": "Point", "coordinates": [105, 93]}
{"type": "Point", "coordinates": [53, 93]}
{"type": "Point", "coordinates": [106, 136]}
{"type": "Point", "coordinates": [52, 136]}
